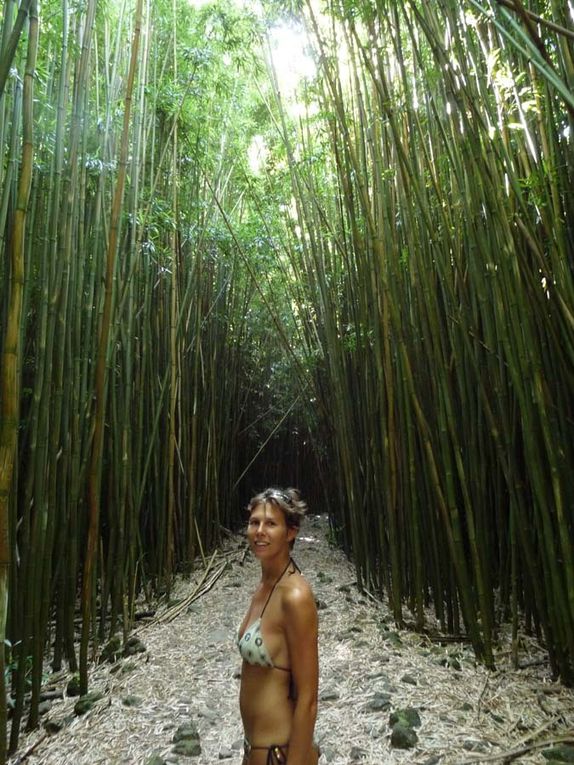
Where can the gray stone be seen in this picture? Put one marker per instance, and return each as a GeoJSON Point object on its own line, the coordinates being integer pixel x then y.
{"type": "Point", "coordinates": [131, 701]}
{"type": "Point", "coordinates": [54, 726]}
{"type": "Point", "coordinates": [384, 687]}
{"type": "Point", "coordinates": [188, 748]}
{"type": "Point", "coordinates": [134, 645]}
{"type": "Point", "coordinates": [379, 676]}
{"type": "Point", "coordinates": [393, 638]}
{"type": "Point", "coordinates": [410, 679]}
{"type": "Point", "coordinates": [44, 707]}
{"type": "Point", "coordinates": [187, 731]}
{"type": "Point", "coordinates": [73, 687]}
{"type": "Point", "coordinates": [155, 759]}
{"type": "Point", "coordinates": [128, 666]}
{"type": "Point", "coordinates": [186, 740]}
{"type": "Point", "coordinates": [473, 745]}
{"type": "Point", "coordinates": [432, 760]}
{"type": "Point", "coordinates": [379, 703]}
{"type": "Point", "coordinates": [112, 649]}
{"type": "Point", "coordinates": [329, 694]}
{"type": "Point", "coordinates": [403, 737]}
{"type": "Point", "coordinates": [51, 695]}
{"type": "Point", "coordinates": [560, 753]}
{"type": "Point", "coordinates": [209, 714]}
{"type": "Point", "coordinates": [225, 754]}
{"type": "Point", "coordinates": [378, 731]}
{"type": "Point", "coordinates": [85, 703]}
{"type": "Point", "coordinates": [408, 718]}
{"type": "Point", "coordinates": [451, 662]}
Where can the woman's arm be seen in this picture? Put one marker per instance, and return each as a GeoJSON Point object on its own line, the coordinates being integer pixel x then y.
{"type": "Point", "coordinates": [301, 629]}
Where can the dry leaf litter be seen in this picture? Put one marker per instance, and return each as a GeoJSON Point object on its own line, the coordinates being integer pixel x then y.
{"type": "Point", "coordinates": [368, 668]}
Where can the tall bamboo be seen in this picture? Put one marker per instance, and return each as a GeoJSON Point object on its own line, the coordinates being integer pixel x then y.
{"type": "Point", "coordinates": [10, 374]}
{"type": "Point", "coordinates": [94, 472]}
{"type": "Point", "coordinates": [445, 251]}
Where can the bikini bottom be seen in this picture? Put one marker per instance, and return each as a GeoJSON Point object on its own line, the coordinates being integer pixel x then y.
{"type": "Point", "coordinates": [276, 754]}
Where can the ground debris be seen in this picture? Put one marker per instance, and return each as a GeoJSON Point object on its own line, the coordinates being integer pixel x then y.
{"type": "Point", "coordinates": [189, 675]}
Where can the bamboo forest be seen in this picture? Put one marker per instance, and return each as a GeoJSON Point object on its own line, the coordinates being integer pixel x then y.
{"type": "Point", "coordinates": [358, 281]}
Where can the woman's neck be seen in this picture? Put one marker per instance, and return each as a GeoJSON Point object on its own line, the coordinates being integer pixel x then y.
{"type": "Point", "coordinates": [271, 570]}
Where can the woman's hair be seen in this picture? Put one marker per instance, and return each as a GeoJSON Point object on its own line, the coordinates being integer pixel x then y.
{"type": "Point", "coordinates": [287, 500]}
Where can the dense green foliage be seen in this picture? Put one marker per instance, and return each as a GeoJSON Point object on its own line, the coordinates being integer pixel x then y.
{"type": "Point", "coordinates": [144, 342]}
{"type": "Point", "coordinates": [382, 312]}
{"type": "Point", "coordinates": [436, 238]}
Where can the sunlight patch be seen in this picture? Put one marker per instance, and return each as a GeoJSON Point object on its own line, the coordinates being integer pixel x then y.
{"type": "Point", "coordinates": [257, 153]}
{"type": "Point", "coordinates": [289, 49]}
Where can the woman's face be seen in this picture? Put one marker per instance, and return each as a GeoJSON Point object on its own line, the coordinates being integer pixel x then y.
{"type": "Point", "coordinates": [267, 531]}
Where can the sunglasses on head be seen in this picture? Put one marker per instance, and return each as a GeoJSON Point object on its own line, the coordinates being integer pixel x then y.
{"type": "Point", "coordinates": [276, 494]}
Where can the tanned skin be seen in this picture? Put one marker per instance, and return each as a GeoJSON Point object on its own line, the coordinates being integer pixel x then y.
{"type": "Point", "coordinates": [289, 631]}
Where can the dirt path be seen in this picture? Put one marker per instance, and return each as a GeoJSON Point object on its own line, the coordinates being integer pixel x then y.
{"type": "Point", "coordinates": [368, 669]}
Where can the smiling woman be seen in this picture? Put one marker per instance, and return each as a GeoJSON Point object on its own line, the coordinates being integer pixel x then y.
{"type": "Point", "coordinates": [279, 676]}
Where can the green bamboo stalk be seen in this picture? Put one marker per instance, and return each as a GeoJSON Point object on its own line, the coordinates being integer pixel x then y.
{"type": "Point", "coordinates": [10, 375]}
{"type": "Point", "coordinates": [94, 473]}
{"type": "Point", "coordinates": [10, 46]}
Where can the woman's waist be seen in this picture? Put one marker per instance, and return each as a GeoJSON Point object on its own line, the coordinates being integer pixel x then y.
{"type": "Point", "coordinates": [265, 705]}
{"type": "Point", "coordinates": [262, 732]}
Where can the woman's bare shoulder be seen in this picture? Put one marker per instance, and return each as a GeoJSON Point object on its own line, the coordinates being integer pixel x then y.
{"type": "Point", "coordinates": [298, 594]}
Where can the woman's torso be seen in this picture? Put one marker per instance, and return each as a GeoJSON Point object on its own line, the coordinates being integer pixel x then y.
{"type": "Point", "coordinates": [265, 697]}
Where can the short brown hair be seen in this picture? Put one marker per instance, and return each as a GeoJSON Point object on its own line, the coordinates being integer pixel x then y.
{"type": "Point", "coordinates": [287, 500]}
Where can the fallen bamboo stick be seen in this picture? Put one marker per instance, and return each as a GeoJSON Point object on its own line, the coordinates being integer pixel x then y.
{"type": "Point", "coordinates": [512, 754]}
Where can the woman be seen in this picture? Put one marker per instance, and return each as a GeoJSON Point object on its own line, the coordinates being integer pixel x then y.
{"type": "Point", "coordinates": [278, 640]}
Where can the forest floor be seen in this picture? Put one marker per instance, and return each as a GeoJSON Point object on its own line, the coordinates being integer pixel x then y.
{"type": "Point", "coordinates": [189, 672]}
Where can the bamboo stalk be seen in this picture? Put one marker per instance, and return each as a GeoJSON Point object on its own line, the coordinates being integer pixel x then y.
{"type": "Point", "coordinates": [94, 473]}
{"type": "Point", "coordinates": [10, 374]}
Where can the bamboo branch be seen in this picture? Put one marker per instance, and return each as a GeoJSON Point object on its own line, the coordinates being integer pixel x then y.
{"type": "Point", "coordinates": [539, 19]}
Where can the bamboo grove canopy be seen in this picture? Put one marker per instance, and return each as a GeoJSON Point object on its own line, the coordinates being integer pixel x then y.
{"type": "Point", "coordinates": [209, 283]}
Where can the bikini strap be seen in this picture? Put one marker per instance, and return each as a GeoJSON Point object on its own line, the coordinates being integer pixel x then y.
{"type": "Point", "coordinates": [280, 577]}
{"type": "Point", "coordinates": [276, 754]}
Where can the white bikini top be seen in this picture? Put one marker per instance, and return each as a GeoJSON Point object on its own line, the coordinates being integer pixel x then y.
{"type": "Point", "coordinates": [251, 645]}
